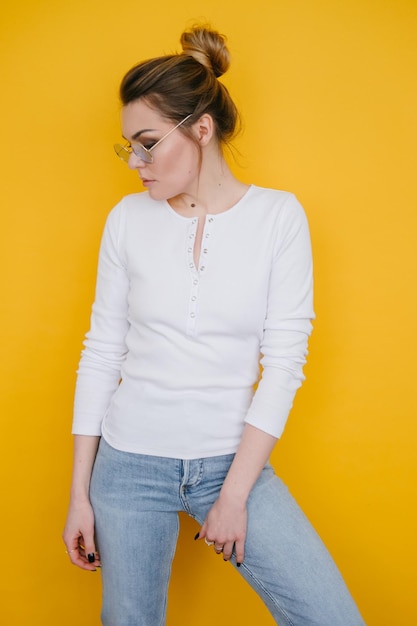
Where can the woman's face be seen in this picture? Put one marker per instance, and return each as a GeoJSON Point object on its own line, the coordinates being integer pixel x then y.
{"type": "Point", "coordinates": [175, 166]}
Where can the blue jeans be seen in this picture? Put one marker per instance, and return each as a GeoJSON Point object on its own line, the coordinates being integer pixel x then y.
{"type": "Point", "coordinates": [136, 499]}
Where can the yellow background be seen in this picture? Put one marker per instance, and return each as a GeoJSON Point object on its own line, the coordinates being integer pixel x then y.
{"type": "Point", "coordinates": [328, 93]}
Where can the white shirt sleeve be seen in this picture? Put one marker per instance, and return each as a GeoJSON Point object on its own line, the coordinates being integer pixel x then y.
{"type": "Point", "coordinates": [287, 324]}
{"type": "Point", "coordinates": [105, 347]}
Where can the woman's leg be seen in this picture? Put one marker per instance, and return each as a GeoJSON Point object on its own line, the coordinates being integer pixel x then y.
{"type": "Point", "coordinates": [137, 529]}
{"type": "Point", "coordinates": [287, 564]}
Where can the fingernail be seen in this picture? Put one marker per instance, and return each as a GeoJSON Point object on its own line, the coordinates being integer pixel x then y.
{"type": "Point", "coordinates": [91, 557]}
{"type": "Point", "coordinates": [238, 564]}
{"type": "Point", "coordinates": [197, 536]}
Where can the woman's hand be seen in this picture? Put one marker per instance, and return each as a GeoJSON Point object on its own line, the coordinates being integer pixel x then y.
{"type": "Point", "coordinates": [225, 526]}
{"type": "Point", "coordinates": [78, 536]}
{"type": "Point", "coordinates": [78, 533]}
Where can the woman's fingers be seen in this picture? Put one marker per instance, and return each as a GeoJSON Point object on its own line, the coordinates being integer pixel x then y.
{"type": "Point", "coordinates": [228, 550]}
{"type": "Point", "coordinates": [83, 553]}
{"type": "Point", "coordinates": [79, 537]}
{"type": "Point", "coordinates": [225, 530]}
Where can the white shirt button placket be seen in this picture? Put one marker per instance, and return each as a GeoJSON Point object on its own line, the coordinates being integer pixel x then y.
{"type": "Point", "coordinates": [196, 275]}
{"type": "Point", "coordinates": [194, 278]}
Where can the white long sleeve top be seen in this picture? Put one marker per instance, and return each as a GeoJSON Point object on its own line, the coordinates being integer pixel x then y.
{"type": "Point", "coordinates": [174, 350]}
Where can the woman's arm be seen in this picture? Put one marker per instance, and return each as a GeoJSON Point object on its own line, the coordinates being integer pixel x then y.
{"type": "Point", "coordinates": [78, 534]}
{"type": "Point", "coordinates": [225, 523]}
{"type": "Point", "coordinates": [98, 378]}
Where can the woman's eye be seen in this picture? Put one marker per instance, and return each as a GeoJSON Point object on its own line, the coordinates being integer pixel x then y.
{"type": "Point", "coordinates": [149, 145]}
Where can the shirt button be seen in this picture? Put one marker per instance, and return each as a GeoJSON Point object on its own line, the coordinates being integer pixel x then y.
{"type": "Point", "coordinates": [195, 282]}
{"type": "Point", "coordinates": [190, 249]}
{"type": "Point", "coordinates": [194, 298]}
{"type": "Point", "coordinates": [191, 265]}
{"type": "Point", "coordinates": [211, 219]}
{"type": "Point", "coordinates": [205, 251]}
{"type": "Point", "coordinates": [202, 268]}
{"type": "Point", "coordinates": [207, 235]}
{"type": "Point", "coordinates": [192, 314]}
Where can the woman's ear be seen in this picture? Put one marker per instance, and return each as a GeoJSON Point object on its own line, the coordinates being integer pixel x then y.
{"type": "Point", "coordinates": [204, 129]}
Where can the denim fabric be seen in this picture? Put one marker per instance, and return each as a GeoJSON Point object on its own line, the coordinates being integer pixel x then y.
{"type": "Point", "coordinates": [136, 499]}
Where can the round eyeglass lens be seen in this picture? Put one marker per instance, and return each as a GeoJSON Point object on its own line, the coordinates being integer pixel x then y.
{"type": "Point", "coordinates": [122, 152]}
{"type": "Point", "coordinates": [143, 154]}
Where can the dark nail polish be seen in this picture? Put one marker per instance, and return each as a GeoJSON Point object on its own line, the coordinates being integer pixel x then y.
{"type": "Point", "coordinates": [197, 536]}
{"type": "Point", "coordinates": [91, 557]}
{"type": "Point", "coordinates": [238, 564]}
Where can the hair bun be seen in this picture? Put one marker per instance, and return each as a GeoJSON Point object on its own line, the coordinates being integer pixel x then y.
{"type": "Point", "coordinates": [207, 47]}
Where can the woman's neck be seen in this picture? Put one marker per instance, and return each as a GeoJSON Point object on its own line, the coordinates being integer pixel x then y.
{"type": "Point", "coordinates": [215, 191]}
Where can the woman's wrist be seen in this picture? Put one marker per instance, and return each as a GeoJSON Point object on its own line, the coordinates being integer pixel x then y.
{"type": "Point", "coordinates": [79, 496]}
{"type": "Point", "coordinates": [235, 492]}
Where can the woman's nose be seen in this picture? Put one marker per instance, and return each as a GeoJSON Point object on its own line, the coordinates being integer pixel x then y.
{"type": "Point", "coordinates": [135, 161]}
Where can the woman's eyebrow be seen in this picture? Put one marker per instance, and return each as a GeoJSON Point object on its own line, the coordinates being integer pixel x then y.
{"type": "Point", "coordinates": [140, 132]}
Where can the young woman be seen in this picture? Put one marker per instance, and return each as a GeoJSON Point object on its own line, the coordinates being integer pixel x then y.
{"type": "Point", "coordinates": [199, 278]}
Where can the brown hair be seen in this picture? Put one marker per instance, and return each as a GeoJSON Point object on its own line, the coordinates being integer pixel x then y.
{"type": "Point", "coordinates": [181, 84]}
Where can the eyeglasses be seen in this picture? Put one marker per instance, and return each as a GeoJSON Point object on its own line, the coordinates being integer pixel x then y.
{"type": "Point", "coordinates": [124, 152]}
